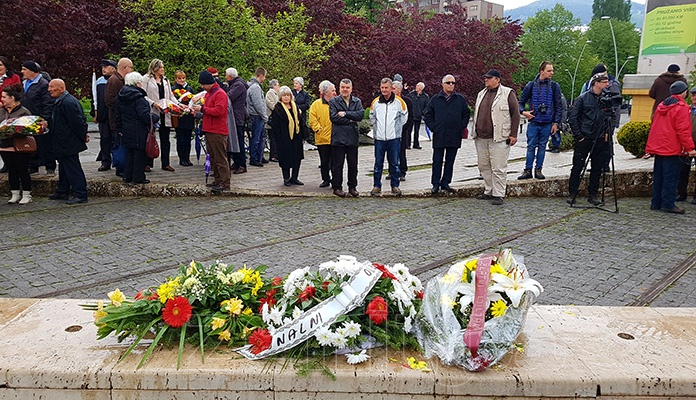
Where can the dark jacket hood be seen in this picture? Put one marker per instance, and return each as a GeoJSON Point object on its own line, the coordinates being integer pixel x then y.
{"type": "Point", "coordinates": [130, 93]}
{"type": "Point", "coordinates": [671, 77]}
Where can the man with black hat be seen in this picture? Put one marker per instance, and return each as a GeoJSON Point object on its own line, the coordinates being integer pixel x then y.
{"type": "Point", "coordinates": [39, 102]}
{"type": "Point", "coordinates": [216, 130]}
{"type": "Point", "coordinates": [496, 121]}
{"type": "Point", "coordinates": [660, 87]}
{"type": "Point", "coordinates": [669, 140]}
{"type": "Point", "coordinates": [591, 134]}
{"type": "Point", "coordinates": [101, 115]}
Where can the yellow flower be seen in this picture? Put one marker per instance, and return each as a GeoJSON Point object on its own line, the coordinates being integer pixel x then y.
{"type": "Point", "coordinates": [497, 269]}
{"type": "Point", "coordinates": [248, 311]}
{"type": "Point", "coordinates": [247, 332]}
{"type": "Point", "coordinates": [166, 290]}
{"type": "Point", "coordinates": [99, 313]}
{"type": "Point", "coordinates": [191, 269]}
{"type": "Point", "coordinates": [445, 300]}
{"type": "Point", "coordinates": [413, 363]}
{"type": "Point", "coordinates": [234, 306]}
{"type": "Point", "coordinates": [218, 323]}
{"type": "Point", "coordinates": [498, 308]}
{"type": "Point", "coordinates": [471, 264]}
{"type": "Point", "coordinates": [225, 335]}
{"type": "Point", "coordinates": [117, 297]}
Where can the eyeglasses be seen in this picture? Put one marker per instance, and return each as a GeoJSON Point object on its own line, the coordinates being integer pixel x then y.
{"type": "Point", "coordinates": [448, 83]}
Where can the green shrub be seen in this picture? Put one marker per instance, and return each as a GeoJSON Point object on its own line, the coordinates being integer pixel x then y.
{"type": "Point", "coordinates": [566, 141]}
{"type": "Point", "coordinates": [633, 137]}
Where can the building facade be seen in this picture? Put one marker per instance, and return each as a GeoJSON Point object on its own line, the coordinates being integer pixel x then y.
{"type": "Point", "coordinates": [475, 9]}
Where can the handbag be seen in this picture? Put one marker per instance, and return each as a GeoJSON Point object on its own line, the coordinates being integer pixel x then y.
{"type": "Point", "coordinates": [152, 149]}
{"type": "Point", "coordinates": [25, 144]}
{"type": "Point", "coordinates": [118, 157]}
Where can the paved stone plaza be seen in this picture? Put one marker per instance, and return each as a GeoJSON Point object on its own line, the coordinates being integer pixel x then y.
{"type": "Point", "coordinates": [582, 257]}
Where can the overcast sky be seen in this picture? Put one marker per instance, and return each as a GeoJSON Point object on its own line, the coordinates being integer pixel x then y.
{"type": "Point", "coordinates": [510, 4]}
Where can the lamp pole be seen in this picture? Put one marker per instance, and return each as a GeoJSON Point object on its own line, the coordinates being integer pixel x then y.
{"type": "Point", "coordinates": [623, 65]}
{"type": "Point", "coordinates": [575, 74]}
{"type": "Point", "coordinates": [616, 53]}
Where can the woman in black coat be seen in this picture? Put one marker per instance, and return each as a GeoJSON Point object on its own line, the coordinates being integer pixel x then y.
{"type": "Point", "coordinates": [133, 121]}
{"type": "Point", "coordinates": [289, 127]}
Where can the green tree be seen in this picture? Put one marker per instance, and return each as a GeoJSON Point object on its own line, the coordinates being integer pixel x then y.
{"type": "Point", "coordinates": [618, 9]}
{"type": "Point", "coordinates": [368, 9]}
{"type": "Point", "coordinates": [627, 44]}
{"type": "Point", "coordinates": [194, 34]}
{"type": "Point", "coordinates": [550, 35]}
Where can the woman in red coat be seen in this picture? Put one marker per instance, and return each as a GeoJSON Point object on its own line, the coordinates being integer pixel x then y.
{"type": "Point", "coordinates": [669, 139]}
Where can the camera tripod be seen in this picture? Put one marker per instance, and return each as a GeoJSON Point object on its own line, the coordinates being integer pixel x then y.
{"type": "Point", "coordinates": [606, 127]}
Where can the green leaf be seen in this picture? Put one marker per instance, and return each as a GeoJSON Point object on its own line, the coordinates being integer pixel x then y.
{"type": "Point", "coordinates": [182, 339]}
{"type": "Point", "coordinates": [152, 346]}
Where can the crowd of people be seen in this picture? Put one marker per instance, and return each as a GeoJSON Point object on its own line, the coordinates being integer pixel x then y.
{"type": "Point", "coordinates": [130, 107]}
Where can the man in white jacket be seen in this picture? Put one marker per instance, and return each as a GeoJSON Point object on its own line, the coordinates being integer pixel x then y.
{"type": "Point", "coordinates": [388, 113]}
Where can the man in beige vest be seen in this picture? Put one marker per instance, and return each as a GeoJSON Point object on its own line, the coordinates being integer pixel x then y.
{"type": "Point", "coordinates": [496, 121]}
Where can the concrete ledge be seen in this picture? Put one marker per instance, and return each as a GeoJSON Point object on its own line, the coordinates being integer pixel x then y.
{"type": "Point", "coordinates": [49, 350]}
{"type": "Point", "coordinates": [630, 183]}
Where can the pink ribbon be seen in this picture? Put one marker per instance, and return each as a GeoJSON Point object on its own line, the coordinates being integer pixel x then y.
{"type": "Point", "coordinates": [474, 331]}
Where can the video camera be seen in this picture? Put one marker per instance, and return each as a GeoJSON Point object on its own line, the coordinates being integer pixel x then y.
{"type": "Point", "coordinates": [610, 101]}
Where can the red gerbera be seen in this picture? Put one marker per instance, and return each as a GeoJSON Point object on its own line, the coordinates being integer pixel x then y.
{"type": "Point", "coordinates": [277, 281]}
{"type": "Point", "coordinates": [419, 294]}
{"type": "Point", "coordinates": [139, 295]}
{"type": "Point", "coordinates": [260, 340]}
{"type": "Point", "coordinates": [385, 271]}
{"type": "Point", "coordinates": [269, 299]}
{"type": "Point", "coordinates": [177, 312]}
{"type": "Point", "coordinates": [307, 293]}
{"type": "Point", "coordinates": [377, 310]}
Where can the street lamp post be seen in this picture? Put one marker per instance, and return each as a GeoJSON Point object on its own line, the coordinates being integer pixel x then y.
{"type": "Point", "coordinates": [623, 65]}
{"type": "Point", "coordinates": [575, 74]}
{"type": "Point", "coordinates": [616, 53]}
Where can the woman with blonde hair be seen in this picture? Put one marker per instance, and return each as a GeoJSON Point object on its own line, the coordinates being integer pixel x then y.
{"type": "Point", "coordinates": [289, 128]}
{"type": "Point", "coordinates": [157, 87]}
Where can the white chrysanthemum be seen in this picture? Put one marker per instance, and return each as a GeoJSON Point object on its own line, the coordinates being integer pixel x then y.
{"type": "Point", "coordinates": [351, 329]}
{"type": "Point", "coordinates": [407, 324]}
{"type": "Point", "coordinates": [357, 358]}
{"type": "Point", "coordinates": [294, 278]}
{"type": "Point", "coordinates": [275, 315]}
{"type": "Point", "coordinates": [265, 315]}
{"type": "Point", "coordinates": [339, 341]}
{"type": "Point", "coordinates": [324, 336]}
{"type": "Point", "coordinates": [296, 312]}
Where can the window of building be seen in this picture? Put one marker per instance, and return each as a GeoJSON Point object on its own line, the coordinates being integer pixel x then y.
{"type": "Point", "coordinates": [473, 8]}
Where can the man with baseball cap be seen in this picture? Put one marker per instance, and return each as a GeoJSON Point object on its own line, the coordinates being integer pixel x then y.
{"type": "Point", "coordinates": [39, 102]}
{"type": "Point", "coordinates": [670, 139]}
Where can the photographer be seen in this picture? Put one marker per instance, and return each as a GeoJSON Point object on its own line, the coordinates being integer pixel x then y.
{"type": "Point", "coordinates": [589, 122]}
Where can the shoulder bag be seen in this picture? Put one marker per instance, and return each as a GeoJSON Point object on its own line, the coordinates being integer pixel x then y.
{"type": "Point", "coordinates": [152, 149]}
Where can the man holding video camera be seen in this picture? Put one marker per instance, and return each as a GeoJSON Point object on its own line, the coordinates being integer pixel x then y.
{"type": "Point", "coordinates": [590, 123]}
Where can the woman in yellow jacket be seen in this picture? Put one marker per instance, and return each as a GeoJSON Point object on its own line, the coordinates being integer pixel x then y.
{"type": "Point", "coordinates": [320, 123]}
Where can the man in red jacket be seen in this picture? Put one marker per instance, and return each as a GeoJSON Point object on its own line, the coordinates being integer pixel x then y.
{"type": "Point", "coordinates": [215, 129]}
{"type": "Point", "coordinates": [670, 138]}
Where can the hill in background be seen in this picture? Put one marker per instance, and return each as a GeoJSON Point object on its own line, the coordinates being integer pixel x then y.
{"type": "Point", "coordinates": [579, 8]}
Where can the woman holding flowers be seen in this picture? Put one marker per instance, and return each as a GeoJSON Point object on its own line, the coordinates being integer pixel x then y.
{"type": "Point", "coordinates": [183, 92]}
{"type": "Point", "coordinates": [289, 127]}
{"type": "Point", "coordinates": [157, 88]}
{"type": "Point", "coordinates": [133, 120]}
{"type": "Point", "coordinates": [7, 78]}
{"type": "Point", "coordinates": [17, 163]}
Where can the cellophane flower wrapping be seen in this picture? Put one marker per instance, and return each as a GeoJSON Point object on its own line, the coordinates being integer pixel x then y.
{"type": "Point", "coordinates": [27, 125]}
{"type": "Point", "coordinates": [442, 320]}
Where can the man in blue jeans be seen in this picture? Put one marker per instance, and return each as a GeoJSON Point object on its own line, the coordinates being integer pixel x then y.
{"type": "Point", "coordinates": [256, 108]}
{"type": "Point", "coordinates": [388, 113]}
{"type": "Point", "coordinates": [544, 115]}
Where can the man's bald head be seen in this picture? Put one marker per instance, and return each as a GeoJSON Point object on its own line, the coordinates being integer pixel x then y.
{"type": "Point", "coordinates": [124, 66]}
{"type": "Point", "coordinates": [56, 87]}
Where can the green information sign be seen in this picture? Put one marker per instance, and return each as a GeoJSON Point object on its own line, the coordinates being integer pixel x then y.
{"type": "Point", "coordinates": [670, 30]}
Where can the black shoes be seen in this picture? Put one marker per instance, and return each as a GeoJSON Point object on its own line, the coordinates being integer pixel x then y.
{"type": "Point", "coordinates": [484, 196]}
{"type": "Point", "coordinates": [76, 200]}
{"type": "Point", "coordinates": [594, 200]}
{"type": "Point", "coordinates": [497, 201]}
{"type": "Point", "coordinates": [555, 150]}
{"type": "Point", "coordinates": [103, 168]}
{"type": "Point", "coordinates": [143, 182]}
{"type": "Point", "coordinates": [264, 161]}
{"type": "Point", "coordinates": [353, 192]}
{"type": "Point", "coordinates": [675, 210]}
{"type": "Point", "coordinates": [447, 188]}
{"type": "Point", "coordinates": [325, 184]}
{"type": "Point", "coordinates": [417, 147]}
{"type": "Point", "coordinates": [435, 189]}
{"type": "Point", "coordinates": [538, 174]}
{"type": "Point", "coordinates": [286, 182]}
{"type": "Point", "coordinates": [185, 163]}
{"type": "Point", "coordinates": [255, 164]}
{"type": "Point", "coordinates": [56, 196]}
{"type": "Point", "coordinates": [339, 193]}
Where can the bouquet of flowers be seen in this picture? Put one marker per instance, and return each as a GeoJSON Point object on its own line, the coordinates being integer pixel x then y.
{"type": "Point", "coordinates": [384, 303]}
{"type": "Point", "coordinates": [198, 99]}
{"type": "Point", "coordinates": [203, 305]}
{"type": "Point", "coordinates": [168, 106]}
{"type": "Point", "coordinates": [471, 323]}
{"type": "Point", "coordinates": [182, 95]}
{"type": "Point", "coordinates": [27, 125]}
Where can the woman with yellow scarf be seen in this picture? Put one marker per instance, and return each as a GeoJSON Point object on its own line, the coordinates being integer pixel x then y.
{"type": "Point", "coordinates": [289, 128]}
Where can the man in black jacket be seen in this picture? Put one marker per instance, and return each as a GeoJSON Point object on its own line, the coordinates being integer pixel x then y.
{"type": "Point", "coordinates": [69, 137]}
{"type": "Point", "coordinates": [39, 102]}
{"type": "Point", "coordinates": [101, 116]}
{"type": "Point", "coordinates": [591, 133]}
{"type": "Point", "coordinates": [447, 115]}
{"type": "Point", "coordinates": [420, 101]}
{"type": "Point", "coordinates": [237, 93]}
{"type": "Point", "coordinates": [345, 111]}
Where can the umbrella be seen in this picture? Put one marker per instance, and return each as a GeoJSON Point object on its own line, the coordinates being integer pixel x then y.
{"type": "Point", "coordinates": [197, 135]}
{"type": "Point", "coordinates": [427, 131]}
{"type": "Point", "coordinates": [207, 167]}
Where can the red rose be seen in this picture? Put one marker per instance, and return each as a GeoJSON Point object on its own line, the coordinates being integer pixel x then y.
{"type": "Point", "coordinates": [385, 271]}
{"type": "Point", "coordinates": [377, 310]}
{"type": "Point", "coordinates": [419, 294]}
{"type": "Point", "coordinates": [177, 312]}
{"type": "Point", "coordinates": [307, 293]}
{"type": "Point", "coordinates": [260, 340]}
{"type": "Point", "coordinates": [277, 281]}
{"type": "Point", "coordinates": [325, 285]}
